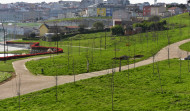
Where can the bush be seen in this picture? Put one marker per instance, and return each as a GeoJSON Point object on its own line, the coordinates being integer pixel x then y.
{"type": "Point", "coordinates": [154, 19]}
{"type": "Point", "coordinates": [146, 26]}
{"type": "Point", "coordinates": [98, 25]}
{"type": "Point", "coordinates": [117, 30]}
{"type": "Point", "coordinates": [56, 38]}
{"type": "Point", "coordinates": [81, 28]}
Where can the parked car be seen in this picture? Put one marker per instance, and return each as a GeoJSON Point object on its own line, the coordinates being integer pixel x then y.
{"type": "Point", "coordinates": [187, 58]}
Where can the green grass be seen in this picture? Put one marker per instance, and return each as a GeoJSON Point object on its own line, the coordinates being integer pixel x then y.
{"type": "Point", "coordinates": [99, 61]}
{"type": "Point", "coordinates": [185, 47]}
{"type": "Point", "coordinates": [4, 76]}
{"type": "Point", "coordinates": [34, 24]}
{"type": "Point", "coordinates": [29, 24]}
{"type": "Point", "coordinates": [80, 18]}
{"type": "Point", "coordinates": [141, 91]}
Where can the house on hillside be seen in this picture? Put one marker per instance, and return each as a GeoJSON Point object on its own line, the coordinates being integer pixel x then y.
{"type": "Point", "coordinates": [175, 10]}
{"type": "Point", "coordinates": [146, 11]}
{"type": "Point", "coordinates": [156, 10]}
{"type": "Point", "coordinates": [51, 28]}
{"type": "Point", "coordinates": [121, 15]}
{"type": "Point", "coordinates": [17, 30]}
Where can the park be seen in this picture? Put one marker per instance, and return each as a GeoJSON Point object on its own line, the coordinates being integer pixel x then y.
{"type": "Point", "coordinates": [102, 71]}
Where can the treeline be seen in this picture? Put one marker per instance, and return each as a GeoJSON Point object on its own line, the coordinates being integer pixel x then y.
{"type": "Point", "coordinates": [147, 25]}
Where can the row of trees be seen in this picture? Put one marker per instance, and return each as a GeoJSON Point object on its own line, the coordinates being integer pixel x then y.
{"type": "Point", "coordinates": [146, 25]}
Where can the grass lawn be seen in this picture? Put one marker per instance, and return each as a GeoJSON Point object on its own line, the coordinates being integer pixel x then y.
{"type": "Point", "coordinates": [100, 58]}
{"type": "Point", "coordinates": [185, 47]}
{"type": "Point", "coordinates": [29, 24]}
{"type": "Point", "coordinates": [80, 18]}
{"type": "Point", "coordinates": [7, 68]}
{"type": "Point", "coordinates": [4, 76]}
{"type": "Point", "coordinates": [142, 91]}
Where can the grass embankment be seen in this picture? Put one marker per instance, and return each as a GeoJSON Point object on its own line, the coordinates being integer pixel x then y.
{"type": "Point", "coordinates": [4, 76]}
{"type": "Point", "coordinates": [28, 24]}
{"type": "Point", "coordinates": [145, 44]}
{"type": "Point", "coordinates": [142, 91]}
{"type": "Point", "coordinates": [5, 70]}
{"type": "Point", "coordinates": [185, 47]}
{"type": "Point", "coordinates": [79, 18]}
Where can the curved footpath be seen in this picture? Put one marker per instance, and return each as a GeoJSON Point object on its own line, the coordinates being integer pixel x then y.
{"type": "Point", "coordinates": [30, 83]}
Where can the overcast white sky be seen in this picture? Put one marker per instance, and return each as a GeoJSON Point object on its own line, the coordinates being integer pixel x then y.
{"type": "Point", "coordinates": [132, 1]}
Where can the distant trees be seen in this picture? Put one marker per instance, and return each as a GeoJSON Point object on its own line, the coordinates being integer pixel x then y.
{"type": "Point", "coordinates": [154, 19]}
{"type": "Point", "coordinates": [183, 6]}
{"type": "Point", "coordinates": [32, 35]}
{"type": "Point", "coordinates": [98, 26]}
{"type": "Point", "coordinates": [56, 38]}
{"type": "Point", "coordinates": [117, 30]}
{"type": "Point", "coordinates": [146, 25]}
{"type": "Point", "coordinates": [81, 28]}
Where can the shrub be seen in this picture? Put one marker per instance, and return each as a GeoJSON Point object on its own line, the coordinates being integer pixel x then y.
{"type": "Point", "coordinates": [117, 30]}
{"type": "Point", "coordinates": [146, 25]}
{"type": "Point", "coordinates": [98, 25]}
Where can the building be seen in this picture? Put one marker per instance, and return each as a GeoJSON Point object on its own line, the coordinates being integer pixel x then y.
{"type": "Point", "coordinates": [141, 5]}
{"type": "Point", "coordinates": [132, 7]}
{"type": "Point", "coordinates": [67, 15]}
{"type": "Point", "coordinates": [121, 15]}
{"type": "Point", "coordinates": [99, 1]}
{"type": "Point", "coordinates": [92, 10]}
{"type": "Point", "coordinates": [108, 9]}
{"type": "Point", "coordinates": [175, 10]}
{"type": "Point", "coordinates": [121, 2]}
{"type": "Point", "coordinates": [16, 30]}
{"type": "Point", "coordinates": [156, 10]}
{"type": "Point", "coordinates": [86, 3]}
{"type": "Point", "coordinates": [188, 6]}
{"type": "Point", "coordinates": [51, 28]}
{"type": "Point", "coordinates": [147, 11]}
{"type": "Point", "coordinates": [55, 13]}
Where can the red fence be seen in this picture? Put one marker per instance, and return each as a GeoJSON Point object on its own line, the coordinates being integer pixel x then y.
{"type": "Point", "coordinates": [33, 46]}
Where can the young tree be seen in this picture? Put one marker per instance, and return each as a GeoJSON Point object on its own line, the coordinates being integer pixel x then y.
{"type": "Point", "coordinates": [98, 25]}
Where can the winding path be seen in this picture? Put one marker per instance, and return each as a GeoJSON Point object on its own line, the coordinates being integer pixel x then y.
{"type": "Point", "coordinates": [30, 83]}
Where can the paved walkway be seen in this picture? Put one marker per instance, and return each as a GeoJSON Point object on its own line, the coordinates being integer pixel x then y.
{"type": "Point", "coordinates": [30, 83]}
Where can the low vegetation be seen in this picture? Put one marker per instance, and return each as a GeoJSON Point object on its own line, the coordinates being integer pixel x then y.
{"type": "Point", "coordinates": [185, 47]}
{"type": "Point", "coordinates": [4, 76]}
{"type": "Point", "coordinates": [94, 52]}
{"type": "Point", "coordinates": [80, 18]}
{"type": "Point", "coordinates": [141, 90]}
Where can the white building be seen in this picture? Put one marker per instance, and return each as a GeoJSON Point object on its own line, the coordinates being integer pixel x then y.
{"type": "Point", "coordinates": [121, 15]}
{"type": "Point", "coordinates": [141, 5]}
{"type": "Point", "coordinates": [92, 10]}
{"type": "Point", "coordinates": [156, 10]}
{"type": "Point", "coordinates": [99, 1]}
{"type": "Point", "coordinates": [18, 30]}
{"type": "Point", "coordinates": [175, 10]}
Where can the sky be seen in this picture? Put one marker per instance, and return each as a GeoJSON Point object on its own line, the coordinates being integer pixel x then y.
{"type": "Point", "coordinates": [132, 1]}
